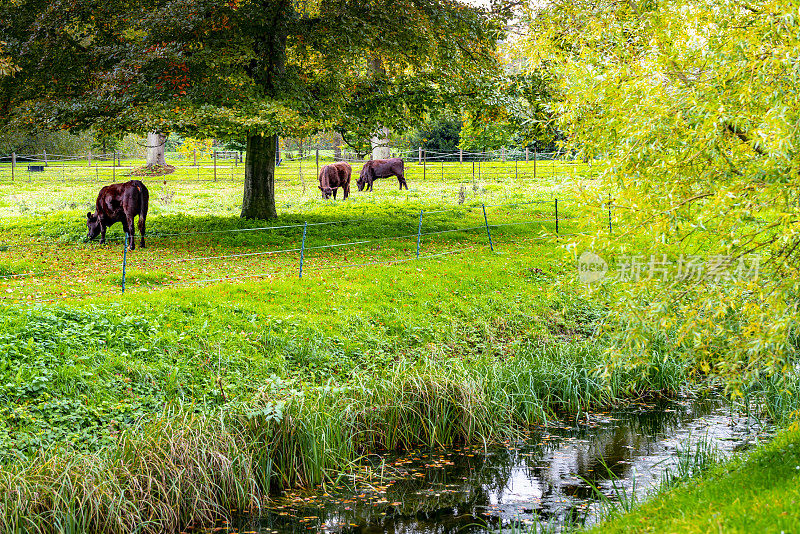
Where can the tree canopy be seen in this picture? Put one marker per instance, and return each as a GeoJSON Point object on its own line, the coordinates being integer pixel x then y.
{"type": "Point", "coordinates": [235, 69]}
{"type": "Point", "coordinates": [694, 106]}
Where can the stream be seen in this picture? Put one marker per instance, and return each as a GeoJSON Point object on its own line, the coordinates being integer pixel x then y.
{"type": "Point", "coordinates": [545, 480]}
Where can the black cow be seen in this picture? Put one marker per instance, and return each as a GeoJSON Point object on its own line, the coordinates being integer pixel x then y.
{"type": "Point", "coordinates": [119, 203]}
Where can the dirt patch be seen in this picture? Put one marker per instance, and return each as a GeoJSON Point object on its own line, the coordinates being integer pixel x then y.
{"type": "Point", "coordinates": [152, 170]}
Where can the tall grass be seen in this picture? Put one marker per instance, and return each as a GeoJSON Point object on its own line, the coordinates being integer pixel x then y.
{"type": "Point", "coordinates": [187, 468]}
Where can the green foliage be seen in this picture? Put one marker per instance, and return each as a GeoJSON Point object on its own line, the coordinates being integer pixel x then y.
{"type": "Point", "coordinates": [693, 105]}
{"type": "Point", "coordinates": [442, 134]}
{"type": "Point", "coordinates": [519, 114]}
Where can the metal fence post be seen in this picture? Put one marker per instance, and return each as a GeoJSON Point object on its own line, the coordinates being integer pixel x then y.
{"type": "Point", "coordinates": [419, 232]}
{"type": "Point", "coordinates": [124, 261]}
{"type": "Point", "coordinates": [486, 220]}
{"type": "Point", "coordinates": [556, 216]}
{"type": "Point", "coordinates": [303, 249]}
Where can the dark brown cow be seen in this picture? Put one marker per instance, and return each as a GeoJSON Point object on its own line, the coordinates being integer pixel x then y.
{"type": "Point", "coordinates": [335, 175]}
{"type": "Point", "coordinates": [381, 168]}
{"type": "Point", "coordinates": [119, 203]}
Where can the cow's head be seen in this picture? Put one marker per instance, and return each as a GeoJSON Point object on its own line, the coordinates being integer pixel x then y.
{"type": "Point", "coordinates": [362, 181]}
{"type": "Point", "coordinates": [326, 191]}
{"type": "Point", "coordinates": [94, 225]}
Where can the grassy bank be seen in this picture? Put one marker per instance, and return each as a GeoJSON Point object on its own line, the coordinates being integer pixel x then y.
{"type": "Point", "coordinates": [758, 492]}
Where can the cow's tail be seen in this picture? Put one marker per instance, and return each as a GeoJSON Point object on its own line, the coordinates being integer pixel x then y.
{"type": "Point", "coordinates": [144, 196]}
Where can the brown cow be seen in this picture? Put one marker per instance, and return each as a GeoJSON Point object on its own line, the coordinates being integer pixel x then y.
{"type": "Point", "coordinates": [119, 203]}
{"type": "Point", "coordinates": [335, 175]}
{"type": "Point", "coordinates": [381, 168]}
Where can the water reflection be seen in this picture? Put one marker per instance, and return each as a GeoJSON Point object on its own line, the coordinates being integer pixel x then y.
{"type": "Point", "coordinates": [545, 479]}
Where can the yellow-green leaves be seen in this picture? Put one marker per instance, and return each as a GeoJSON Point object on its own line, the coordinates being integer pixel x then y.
{"type": "Point", "coordinates": [694, 108]}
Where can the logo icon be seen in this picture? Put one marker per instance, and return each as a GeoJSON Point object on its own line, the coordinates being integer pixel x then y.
{"type": "Point", "coordinates": [591, 268]}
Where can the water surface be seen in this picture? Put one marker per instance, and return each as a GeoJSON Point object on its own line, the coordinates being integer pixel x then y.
{"type": "Point", "coordinates": [545, 479]}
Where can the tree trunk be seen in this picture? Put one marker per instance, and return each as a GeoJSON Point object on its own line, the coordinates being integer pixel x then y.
{"type": "Point", "coordinates": [156, 141]}
{"type": "Point", "coordinates": [259, 178]}
{"type": "Point", "coordinates": [380, 144]}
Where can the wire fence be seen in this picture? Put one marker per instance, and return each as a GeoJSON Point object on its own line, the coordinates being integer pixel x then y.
{"type": "Point", "coordinates": [554, 219]}
{"type": "Point", "coordinates": [219, 166]}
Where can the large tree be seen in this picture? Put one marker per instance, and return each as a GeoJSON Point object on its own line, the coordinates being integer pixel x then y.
{"type": "Point", "coordinates": [249, 69]}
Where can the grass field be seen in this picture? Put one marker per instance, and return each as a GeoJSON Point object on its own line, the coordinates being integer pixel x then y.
{"type": "Point", "coordinates": [195, 234]}
{"type": "Point", "coordinates": [220, 374]}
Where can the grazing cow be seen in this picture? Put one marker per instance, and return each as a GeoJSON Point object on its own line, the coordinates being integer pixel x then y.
{"type": "Point", "coordinates": [119, 203]}
{"type": "Point", "coordinates": [335, 175]}
{"type": "Point", "coordinates": [381, 168]}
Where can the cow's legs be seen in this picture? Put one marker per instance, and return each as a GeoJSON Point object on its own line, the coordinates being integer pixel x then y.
{"type": "Point", "coordinates": [130, 232]}
{"type": "Point", "coordinates": [402, 179]}
{"type": "Point", "coordinates": [334, 192]}
{"type": "Point", "coordinates": [346, 189]}
{"type": "Point", "coordinates": [141, 227]}
{"type": "Point", "coordinates": [102, 234]}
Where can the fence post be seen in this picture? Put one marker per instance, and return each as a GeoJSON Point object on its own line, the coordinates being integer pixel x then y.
{"type": "Point", "coordinates": [609, 214]}
{"type": "Point", "coordinates": [114, 169]}
{"type": "Point", "coordinates": [124, 261]}
{"type": "Point", "coordinates": [419, 232]}
{"type": "Point", "coordinates": [556, 216]}
{"type": "Point", "coordinates": [424, 161]}
{"type": "Point", "coordinates": [535, 157]}
{"type": "Point", "coordinates": [461, 155]}
{"type": "Point", "coordinates": [13, 164]}
{"type": "Point", "coordinates": [90, 158]}
{"type": "Point", "coordinates": [503, 154]}
{"type": "Point", "coordinates": [516, 168]}
{"type": "Point", "coordinates": [45, 157]}
{"type": "Point", "coordinates": [303, 249]}
{"type": "Point", "coordinates": [215, 165]}
{"type": "Point", "coordinates": [419, 157]}
{"type": "Point", "coordinates": [317, 161]}
{"type": "Point", "coordinates": [486, 220]}
{"type": "Point", "coordinates": [526, 155]}
{"type": "Point", "coordinates": [473, 171]}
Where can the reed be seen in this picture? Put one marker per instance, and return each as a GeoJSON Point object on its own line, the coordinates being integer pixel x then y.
{"type": "Point", "coordinates": [184, 468]}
